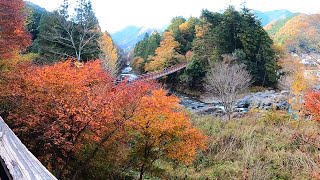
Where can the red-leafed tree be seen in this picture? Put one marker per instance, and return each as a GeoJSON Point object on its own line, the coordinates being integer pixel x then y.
{"type": "Point", "coordinates": [56, 109]}
{"type": "Point", "coordinates": [312, 103]}
{"type": "Point", "coordinates": [13, 36]}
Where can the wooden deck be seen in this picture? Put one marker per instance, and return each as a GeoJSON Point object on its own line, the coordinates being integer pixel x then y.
{"type": "Point", "coordinates": [17, 160]}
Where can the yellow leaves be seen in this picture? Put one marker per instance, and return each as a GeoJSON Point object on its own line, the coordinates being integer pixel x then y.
{"type": "Point", "coordinates": [184, 26]}
{"type": "Point", "coordinates": [299, 83]}
{"type": "Point", "coordinates": [78, 64]}
{"type": "Point", "coordinates": [166, 54]}
{"type": "Point", "coordinates": [109, 50]}
{"type": "Point", "coordinates": [201, 30]}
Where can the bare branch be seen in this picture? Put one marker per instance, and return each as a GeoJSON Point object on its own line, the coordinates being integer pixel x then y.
{"type": "Point", "coordinates": [226, 81]}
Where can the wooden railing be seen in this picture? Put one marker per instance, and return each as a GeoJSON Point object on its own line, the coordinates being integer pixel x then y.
{"type": "Point", "coordinates": [17, 161]}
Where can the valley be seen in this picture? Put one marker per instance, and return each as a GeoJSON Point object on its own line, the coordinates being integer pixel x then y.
{"type": "Point", "coordinates": [228, 92]}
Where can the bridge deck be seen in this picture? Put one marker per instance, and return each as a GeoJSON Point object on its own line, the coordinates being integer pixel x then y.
{"type": "Point", "coordinates": [161, 73]}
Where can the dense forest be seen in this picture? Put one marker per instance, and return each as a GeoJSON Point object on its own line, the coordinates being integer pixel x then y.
{"type": "Point", "coordinates": [58, 93]}
{"type": "Point", "coordinates": [203, 41]}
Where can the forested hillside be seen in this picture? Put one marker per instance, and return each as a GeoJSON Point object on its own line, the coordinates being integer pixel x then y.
{"type": "Point", "coordinates": [273, 27]}
{"type": "Point", "coordinates": [129, 36]}
{"type": "Point", "coordinates": [299, 33]}
{"type": "Point", "coordinates": [205, 41]}
{"type": "Point", "coordinates": [62, 94]}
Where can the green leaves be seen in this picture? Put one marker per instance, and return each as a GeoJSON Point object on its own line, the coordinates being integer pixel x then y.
{"type": "Point", "coordinates": [238, 33]}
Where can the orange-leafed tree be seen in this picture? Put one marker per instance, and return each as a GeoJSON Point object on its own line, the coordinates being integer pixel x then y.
{"type": "Point", "coordinates": [161, 129]}
{"type": "Point", "coordinates": [166, 55]}
{"type": "Point", "coordinates": [13, 36]}
{"type": "Point", "coordinates": [312, 104]}
{"type": "Point", "coordinates": [57, 109]}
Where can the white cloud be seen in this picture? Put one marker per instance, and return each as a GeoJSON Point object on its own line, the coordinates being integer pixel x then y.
{"type": "Point", "coordinates": [117, 14]}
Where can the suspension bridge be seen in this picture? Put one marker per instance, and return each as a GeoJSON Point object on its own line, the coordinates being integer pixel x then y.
{"type": "Point", "coordinates": [156, 74]}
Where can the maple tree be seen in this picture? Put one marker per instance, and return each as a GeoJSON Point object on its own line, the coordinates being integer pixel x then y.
{"type": "Point", "coordinates": [312, 104]}
{"type": "Point", "coordinates": [161, 129]}
{"type": "Point", "coordinates": [13, 36]}
{"type": "Point", "coordinates": [62, 106]}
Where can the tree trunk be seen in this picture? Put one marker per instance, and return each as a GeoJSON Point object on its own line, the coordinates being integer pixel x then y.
{"type": "Point", "coordinates": [79, 57]}
{"type": "Point", "coordinates": [141, 172]}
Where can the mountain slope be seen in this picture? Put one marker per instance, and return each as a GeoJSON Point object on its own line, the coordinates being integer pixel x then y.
{"type": "Point", "coordinates": [34, 13]}
{"type": "Point", "coordinates": [129, 36]}
{"type": "Point", "coordinates": [301, 33]}
{"type": "Point", "coordinates": [269, 16]}
{"type": "Point", "coordinates": [273, 27]}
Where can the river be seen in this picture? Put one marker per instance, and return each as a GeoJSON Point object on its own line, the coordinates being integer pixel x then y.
{"type": "Point", "coordinates": [192, 104]}
{"type": "Point", "coordinates": [265, 100]}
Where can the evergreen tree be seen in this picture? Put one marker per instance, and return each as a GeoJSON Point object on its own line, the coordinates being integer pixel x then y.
{"type": "Point", "coordinates": [257, 46]}
{"type": "Point", "coordinates": [62, 36]}
{"type": "Point", "coordinates": [233, 32]}
{"type": "Point", "coordinates": [139, 49]}
{"type": "Point", "coordinates": [144, 49]}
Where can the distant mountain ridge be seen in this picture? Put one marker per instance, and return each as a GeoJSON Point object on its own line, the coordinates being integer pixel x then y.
{"type": "Point", "coordinates": [270, 16]}
{"type": "Point", "coordinates": [128, 37]}
{"type": "Point", "coordinates": [273, 27]}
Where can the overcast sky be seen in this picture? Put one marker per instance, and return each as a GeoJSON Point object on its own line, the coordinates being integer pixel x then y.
{"type": "Point", "coordinates": [114, 15]}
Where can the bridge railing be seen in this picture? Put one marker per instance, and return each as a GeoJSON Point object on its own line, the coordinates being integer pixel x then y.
{"type": "Point", "coordinates": [160, 73]}
{"type": "Point", "coordinates": [156, 74]}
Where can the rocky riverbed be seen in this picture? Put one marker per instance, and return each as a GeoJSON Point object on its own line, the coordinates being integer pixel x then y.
{"type": "Point", "coordinates": [260, 100]}
{"type": "Point", "coordinates": [206, 104]}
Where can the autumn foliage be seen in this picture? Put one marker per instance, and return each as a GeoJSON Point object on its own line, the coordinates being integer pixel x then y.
{"type": "Point", "coordinates": [54, 106]}
{"type": "Point", "coordinates": [166, 55]}
{"type": "Point", "coordinates": [12, 32]}
{"type": "Point", "coordinates": [161, 128]}
{"type": "Point", "coordinates": [59, 110]}
{"type": "Point", "coordinates": [312, 103]}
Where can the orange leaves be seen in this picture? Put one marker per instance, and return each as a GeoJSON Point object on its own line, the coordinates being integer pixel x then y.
{"type": "Point", "coordinates": [57, 108]}
{"type": "Point", "coordinates": [312, 103]}
{"type": "Point", "coordinates": [12, 35]}
{"type": "Point", "coordinates": [161, 127]}
{"type": "Point", "coordinates": [62, 109]}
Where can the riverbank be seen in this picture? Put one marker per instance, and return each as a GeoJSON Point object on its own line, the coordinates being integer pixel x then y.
{"type": "Point", "coordinates": [209, 105]}
{"type": "Point", "coordinates": [202, 103]}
